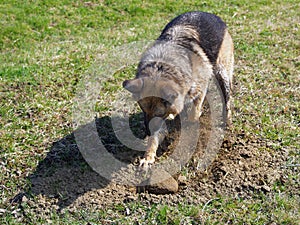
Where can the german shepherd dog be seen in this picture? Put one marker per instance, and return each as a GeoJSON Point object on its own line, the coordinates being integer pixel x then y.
{"type": "Point", "coordinates": [176, 70]}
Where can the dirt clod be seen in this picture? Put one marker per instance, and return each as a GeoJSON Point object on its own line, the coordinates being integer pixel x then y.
{"type": "Point", "coordinates": [160, 182]}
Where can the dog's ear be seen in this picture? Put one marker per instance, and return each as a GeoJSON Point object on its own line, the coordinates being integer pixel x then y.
{"type": "Point", "coordinates": [169, 94]}
{"type": "Point", "coordinates": [134, 85]}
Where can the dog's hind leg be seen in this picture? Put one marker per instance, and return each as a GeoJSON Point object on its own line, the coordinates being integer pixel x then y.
{"type": "Point", "coordinates": [223, 71]}
{"type": "Point", "coordinates": [225, 85]}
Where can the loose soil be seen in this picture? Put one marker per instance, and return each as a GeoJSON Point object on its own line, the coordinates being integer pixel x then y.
{"type": "Point", "coordinates": [244, 165]}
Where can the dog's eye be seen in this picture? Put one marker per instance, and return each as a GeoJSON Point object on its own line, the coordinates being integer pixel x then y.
{"type": "Point", "coordinates": [159, 112]}
{"type": "Point", "coordinates": [162, 115]}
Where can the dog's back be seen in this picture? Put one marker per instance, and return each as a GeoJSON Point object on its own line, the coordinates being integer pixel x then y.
{"type": "Point", "coordinates": [205, 29]}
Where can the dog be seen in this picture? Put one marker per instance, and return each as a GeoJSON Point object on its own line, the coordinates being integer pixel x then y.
{"type": "Point", "coordinates": [192, 49]}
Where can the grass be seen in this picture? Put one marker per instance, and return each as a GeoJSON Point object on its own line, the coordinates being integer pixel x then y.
{"type": "Point", "coordinates": [47, 46]}
{"type": "Point", "coordinates": [220, 210]}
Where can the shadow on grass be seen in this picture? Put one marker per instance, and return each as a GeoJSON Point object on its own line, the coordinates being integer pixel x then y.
{"type": "Point", "coordinates": [64, 173]}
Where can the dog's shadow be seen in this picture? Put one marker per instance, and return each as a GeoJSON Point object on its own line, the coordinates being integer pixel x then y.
{"type": "Point", "coordinates": [65, 175]}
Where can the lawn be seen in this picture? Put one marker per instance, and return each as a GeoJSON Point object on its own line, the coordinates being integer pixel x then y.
{"type": "Point", "coordinates": [48, 47]}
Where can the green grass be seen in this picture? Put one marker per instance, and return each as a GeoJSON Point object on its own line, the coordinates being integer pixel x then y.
{"type": "Point", "coordinates": [218, 211]}
{"type": "Point", "coordinates": [47, 46]}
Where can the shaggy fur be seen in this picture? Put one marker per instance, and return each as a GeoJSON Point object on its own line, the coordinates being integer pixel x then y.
{"type": "Point", "coordinates": [176, 70]}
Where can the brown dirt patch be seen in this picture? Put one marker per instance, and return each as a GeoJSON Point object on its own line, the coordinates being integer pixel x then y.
{"type": "Point", "coordinates": [243, 167]}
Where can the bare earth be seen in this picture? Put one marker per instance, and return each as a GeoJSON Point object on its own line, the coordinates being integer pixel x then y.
{"type": "Point", "coordinates": [244, 165]}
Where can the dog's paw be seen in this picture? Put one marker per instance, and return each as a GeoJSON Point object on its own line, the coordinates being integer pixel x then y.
{"type": "Point", "coordinates": [147, 161]}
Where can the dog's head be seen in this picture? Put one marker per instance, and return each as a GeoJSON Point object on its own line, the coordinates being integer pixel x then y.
{"type": "Point", "coordinates": [159, 97]}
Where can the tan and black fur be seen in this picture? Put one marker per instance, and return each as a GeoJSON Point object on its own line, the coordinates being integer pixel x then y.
{"type": "Point", "coordinates": [192, 49]}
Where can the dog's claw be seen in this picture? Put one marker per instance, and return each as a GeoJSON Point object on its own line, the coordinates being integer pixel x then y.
{"type": "Point", "coordinates": [147, 162]}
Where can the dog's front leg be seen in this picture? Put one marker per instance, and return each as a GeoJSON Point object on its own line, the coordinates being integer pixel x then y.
{"type": "Point", "coordinates": [147, 119]}
{"type": "Point", "coordinates": [155, 129]}
{"type": "Point", "coordinates": [196, 110]}
{"type": "Point", "coordinates": [150, 154]}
